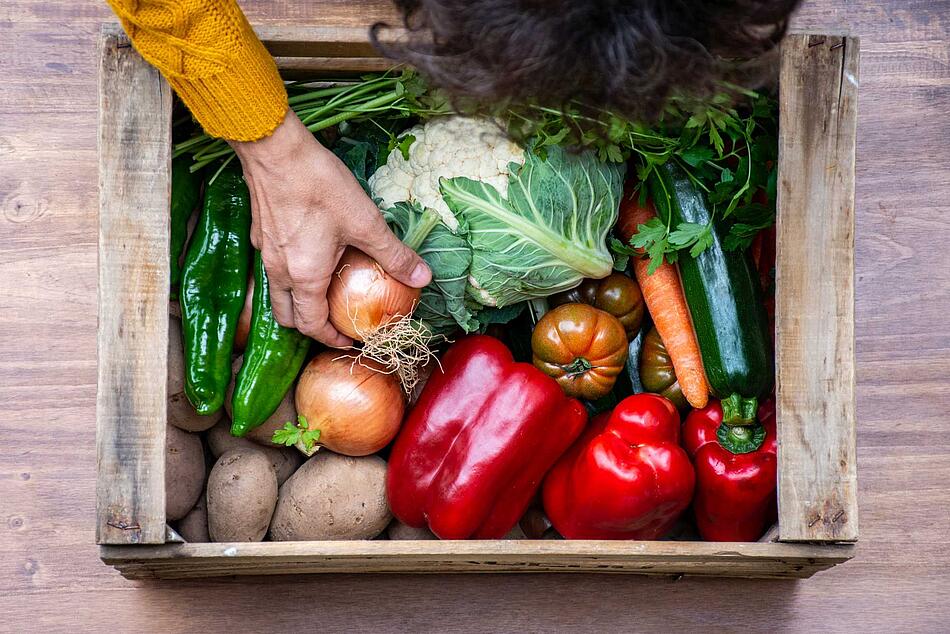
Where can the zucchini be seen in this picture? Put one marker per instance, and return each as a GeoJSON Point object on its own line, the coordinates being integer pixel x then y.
{"type": "Point", "coordinates": [724, 302]}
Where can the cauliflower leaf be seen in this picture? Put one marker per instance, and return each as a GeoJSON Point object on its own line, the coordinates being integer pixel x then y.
{"type": "Point", "coordinates": [442, 307]}
{"type": "Point", "coordinates": [550, 231]}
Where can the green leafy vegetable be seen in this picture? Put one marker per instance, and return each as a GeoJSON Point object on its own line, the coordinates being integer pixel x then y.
{"type": "Point", "coordinates": [442, 307]}
{"type": "Point", "coordinates": [749, 221]}
{"type": "Point", "coordinates": [290, 434]}
{"type": "Point", "coordinates": [727, 146]}
{"type": "Point", "coordinates": [358, 157]}
{"type": "Point", "coordinates": [402, 144]}
{"type": "Point", "coordinates": [490, 315]}
{"type": "Point", "coordinates": [549, 233]}
{"type": "Point", "coordinates": [697, 238]}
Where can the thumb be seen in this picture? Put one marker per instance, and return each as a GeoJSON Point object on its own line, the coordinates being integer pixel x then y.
{"type": "Point", "coordinates": [396, 258]}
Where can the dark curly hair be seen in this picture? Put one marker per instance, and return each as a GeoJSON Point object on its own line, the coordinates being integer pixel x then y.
{"type": "Point", "coordinates": [628, 56]}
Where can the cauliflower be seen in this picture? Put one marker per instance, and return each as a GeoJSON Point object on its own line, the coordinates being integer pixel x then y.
{"type": "Point", "coordinates": [492, 249]}
{"type": "Point", "coordinates": [445, 148]}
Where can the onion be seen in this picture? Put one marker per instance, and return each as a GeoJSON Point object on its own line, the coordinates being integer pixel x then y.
{"type": "Point", "coordinates": [357, 407]}
{"type": "Point", "coordinates": [363, 298]}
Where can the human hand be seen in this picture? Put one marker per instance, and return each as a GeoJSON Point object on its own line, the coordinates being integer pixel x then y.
{"type": "Point", "coordinates": [307, 208]}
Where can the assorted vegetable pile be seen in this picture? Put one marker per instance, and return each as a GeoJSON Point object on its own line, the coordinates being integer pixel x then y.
{"type": "Point", "coordinates": [592, 359]}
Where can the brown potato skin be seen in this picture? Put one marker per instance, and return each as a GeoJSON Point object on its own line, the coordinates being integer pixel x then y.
{"type": "Point", "coordinates": [194, 526]}
{"type": "Point", "coordinates": [285, 460]}
{"type": "Point", "coordinates": [333, 497]}
{"type": "Point", "coordinates": [184, 472]}
{"type": "Point", "coordinates": [181, 414]}
{"type": "Point", "coordinates": [242, 494]}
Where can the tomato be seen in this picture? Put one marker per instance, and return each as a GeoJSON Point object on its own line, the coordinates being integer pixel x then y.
{"type": "Point", "coordinates": [582, 348]}
{"type": "Point", "coordinates": [617, 294]}
{"type": "Point", "coordinates": [656, 370]}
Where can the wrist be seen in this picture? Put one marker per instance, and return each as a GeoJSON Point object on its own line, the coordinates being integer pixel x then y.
{"type": "Point", "coordinates": [288, 141]}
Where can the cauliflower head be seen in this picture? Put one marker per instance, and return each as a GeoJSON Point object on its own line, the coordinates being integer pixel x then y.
{"type": "Point", "coordinates": [446, 147]}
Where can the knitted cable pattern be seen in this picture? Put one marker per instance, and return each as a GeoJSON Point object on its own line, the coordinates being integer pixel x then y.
{"type": "Point", "coordinates": [209, 54]}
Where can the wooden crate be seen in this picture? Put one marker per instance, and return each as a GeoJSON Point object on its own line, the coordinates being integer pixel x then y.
{"type": "Point", "coordinates": [814, 343]}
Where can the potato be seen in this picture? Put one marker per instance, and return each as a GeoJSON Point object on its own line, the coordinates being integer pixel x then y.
{"type": "Point", "coordinates": [194, 526]}
{"type": "Point", "coordinates": [181, 414]}
{"type": "Point", "coordinates": [220, 440]}
{"type": "Point", "coordinates": [284, 459]}
{"type": "Point", "coordinates": [184, 471]}
{"type": "Point", "coordinates": [399, 531]}
{"type": "Point", "coordinates": [242, 494]}
{"type": "Point", "coordinates": [333, 497]}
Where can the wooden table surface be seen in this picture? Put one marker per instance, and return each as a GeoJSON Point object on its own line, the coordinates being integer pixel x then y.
{"type": "Point", "coordinates": [50, 575]}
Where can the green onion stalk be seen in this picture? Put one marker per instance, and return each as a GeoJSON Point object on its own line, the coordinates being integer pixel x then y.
{"type": "Point", "coordinates": [322, 108]}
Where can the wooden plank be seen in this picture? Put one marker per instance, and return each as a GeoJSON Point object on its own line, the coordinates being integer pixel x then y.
{"type": "Point", "coordinates": [289, 40]}
{"type": "Point", "coordinates": [638, 557]}
{"type": "Point", "coordinates": [814, 314]}
{"type": "Point", "coordinates": [316, 67]}
{"type": "Point", "coordinates": [135, 106]}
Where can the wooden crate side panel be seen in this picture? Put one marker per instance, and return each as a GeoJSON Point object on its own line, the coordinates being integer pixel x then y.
{"type": "Point", "coordinates": [135, 106]}
{"type": "Point", "coordinates": [330, 67]}
{"type": "Point", "coordinates": [657, 558]}
{"type": "Point", "coordinates": [814, 316]}
{"type": "Point", "coordinates": [316, 41]}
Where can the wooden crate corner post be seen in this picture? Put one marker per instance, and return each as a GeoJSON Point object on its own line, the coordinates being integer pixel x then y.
{"type": "Point", "coordinates": [814, 315]}
{"type": "Point", "coordinates": [135, 106]}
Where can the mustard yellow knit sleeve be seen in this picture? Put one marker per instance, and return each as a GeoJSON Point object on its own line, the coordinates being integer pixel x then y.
{"type": "Point", "coordinates": [214, 61]}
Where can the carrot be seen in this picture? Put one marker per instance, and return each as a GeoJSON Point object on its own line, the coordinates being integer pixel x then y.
{"type": "Point", "coordinates": [663, 294]}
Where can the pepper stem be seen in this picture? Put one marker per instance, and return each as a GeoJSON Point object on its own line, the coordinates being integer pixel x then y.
{"type": "Point", "coordinates": [418, 232]}
{"type": "Point", "coordinates": [738, 410]}
{"type": "Point", "coordinates": [740, 440]}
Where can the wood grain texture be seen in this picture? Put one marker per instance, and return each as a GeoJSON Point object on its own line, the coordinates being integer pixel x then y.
{"type": "Point", "coordinates": [316, 41]}
{"type": "Point", "coordinates": [135, 106]}
{"type": "Point", "coordinates": [814, 297]}
{"type": "Point", "coordinates": [51, 577]}
{"type": "Point", "coordinates": [655, 558]}
{"type": "Point", "coordinates": [817, 493]}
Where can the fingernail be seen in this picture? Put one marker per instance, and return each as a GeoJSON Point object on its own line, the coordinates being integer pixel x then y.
{"type": "Point", "coordinates": [420, 275]}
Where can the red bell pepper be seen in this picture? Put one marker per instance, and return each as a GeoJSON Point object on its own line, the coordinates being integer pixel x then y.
{"type": "Point", "coordinates": [735, 473]}
{"type": "Point", "coordinates": [474, 449]}
{"type": "Point", "coordinates": [626, 478]}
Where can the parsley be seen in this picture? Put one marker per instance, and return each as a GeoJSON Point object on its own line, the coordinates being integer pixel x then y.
{"type": "Point", "coordinates": [403, 144]}
{"type": "Point", "coordinates": [749, 221]}
{"type": "Point", "coordinates": [727, 145]}
{"type": "Point", "coordinates": [697, 238]}
{"type": "Point", "coordinates": [653, 238]}
{"type": "Point", "coordinates": [290, 434]}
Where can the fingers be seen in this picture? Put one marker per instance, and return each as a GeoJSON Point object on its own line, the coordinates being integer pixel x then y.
{"type": "Point", "coordinates": [311, 314]}
{"type": "Point", "coordinates": [404, 264]}
{"type": "Point", "coordinates": [282, 305]}
{"type": "Point", "coordinates": [298, 296]}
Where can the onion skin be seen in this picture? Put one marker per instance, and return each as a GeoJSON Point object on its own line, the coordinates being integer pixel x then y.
{"type": "Point", "coordinates": [357, 409]}
{"type": "Point", "coordinates": [362, 297]}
